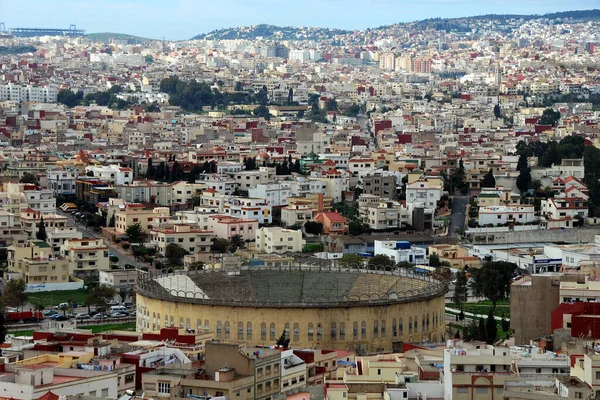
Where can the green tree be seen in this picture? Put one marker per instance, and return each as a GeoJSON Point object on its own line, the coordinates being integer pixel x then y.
{"type": "Point", "coordinates": [236, 242]}
{"type": "Point", "coordinates": [177, 172]}
{"type": "Point", "coordinates": [159, 174]}
{"type": "Point", "coordinates": [99, 296]}
{"type": "Point", "coordinates": [220, 245]}
{"type": "Point", "coordinates": [497, 112]}
{"type": "Point", "coordinates": [492, 281]}
{"type": "Point", "coordinates": [41, 233]}
{"type": "Point", "coordinates": [524, 180]}
{"type": "Point", "coordinates": [313, 227]}
{"type": "Point", "coordinates": [351, 261]}
{"type": "Point", "coordinates": [356, 228]}
{"type": "Point", "coordinates": [14, 293]}
{"type": "Point", "coordinates": [28, 177]}
{"type": "Point", "coordinates": [194, 174]}
{"type": "Point", "coordinates": [482, 330]}
{"type": "Point", "coordinates": [550, 117]}
{"type": "Point", "coordinates": [381, 261]}
{"type": "Point", "coordinates": [491, 328]}
{"type": "Point", "coordinates": [434, 260]}
{"type": "Point", "coordinates": [331, 105]}
{"type": "Point", "coordinates": [111, 222]}
{"type": "Point", "coordinates": [150, 170]}
{"type": "Point", "coordinates": [2, 327]}
{"type": "Point", "coordinates": [488, 180]}
{"type": "Point", "coordinates": [461, 289]}
{"type": "Point", "coordinates": [262, 111]}
{"type": "Point", "coordinates": [283, 340]}
{"type": "Point", "coordinates": [135, 233]}
{"type": "Point", "coordinates": [174, 254]}
{"type": "Point", "coordinates": [352, 111]}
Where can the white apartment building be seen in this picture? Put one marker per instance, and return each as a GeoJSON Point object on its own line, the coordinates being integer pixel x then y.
{"type": "Point", "coordinates": [275, 194]}
{"type": "Point", "coordinates": [401, 251]}
{"type": "Point", "coordinates": [62, 181]}
{"type": "Point", "coordinates": [572, 208]}
{"type": "Point", "coordinates": [424, 191]}
{"type": "Point", "coordinates": [362, 166]}
{"type": "Point", "coordinates": [111, 173]}
{"type": "Point", "coordinates": [190, 239]}
{"type": "Point", "coordinates": [512, 213]}
{"type": "Point", "coordinates": [303, 186]}
{"type": "Point", "coordinates": [25, 93]}
{"type": "Point", "coordinates": [247, 180]}
{"type": "Point", "coordinates": [41, 200]}
{"type": "Point", "coordinates": [57, 236]}
{"type": "Point", "coordinates": [249, 208]}
{"type": "Point", "coordinates": [279, 240]}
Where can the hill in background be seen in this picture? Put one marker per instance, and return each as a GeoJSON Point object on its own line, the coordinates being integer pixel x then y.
{"type": "Point", "coordinates": [106, 36]}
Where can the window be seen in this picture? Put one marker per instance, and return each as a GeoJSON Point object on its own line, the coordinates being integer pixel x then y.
{"type": "Point", "coordinates": [263, 331]}
{"type": "Point", "coordinates": [462, 390]}
{"type": "Point", "coordinates": [481, 390]}
{"type": "Point", "coordinates": [272, 331]}
{"type": "Point", "coordinates": [105, 392]}
{"type": "Point", "coordinates": [310, 331]}
{"type": "Point", "coordinates": [597, 374]}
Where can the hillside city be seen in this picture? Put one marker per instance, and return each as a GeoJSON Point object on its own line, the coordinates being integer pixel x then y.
{"type": "Point", "coordinates": [405, 212]}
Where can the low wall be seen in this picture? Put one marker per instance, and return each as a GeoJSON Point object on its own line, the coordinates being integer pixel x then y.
{"type": "Point", "coordinates": [575, 235]}
{"type": "Point", "coordinates": [48, 287]}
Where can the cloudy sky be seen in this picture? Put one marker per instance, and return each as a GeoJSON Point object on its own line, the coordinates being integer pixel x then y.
{"type": "Point", "coordinates": [182, 19]}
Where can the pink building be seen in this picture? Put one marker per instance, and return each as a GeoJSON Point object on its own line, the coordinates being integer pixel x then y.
{"type": "Point", "coordinates": [226, 227]}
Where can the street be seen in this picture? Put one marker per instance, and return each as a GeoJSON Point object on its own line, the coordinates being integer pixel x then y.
{"type": "Point", "coordinates": [457, 218]}
{"type": "Point", "coordinates": [124, 258]}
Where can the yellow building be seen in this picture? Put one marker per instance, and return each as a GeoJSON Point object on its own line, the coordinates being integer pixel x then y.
{"type": "Point", "coordinates": [146, 218]}
{"type": "Point", "coordinates": [85, 256]}
{"type": "Point", "coordinates": [326, 308]}
{"type": "Point", "coordinates": [455, 255]}
{"type": "Point", "coordinates": [279, 240]}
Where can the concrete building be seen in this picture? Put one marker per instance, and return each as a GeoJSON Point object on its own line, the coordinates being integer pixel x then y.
{"type": "Point", "coordinates": [425, 191]}
{"type": "Point", "coordinates": [574, 210]}
{"type": "Point", "coordinates": [279, 240]}
{"type": "Point", "coordinates": [147, 219]}
{"type": "Point", "coordinates": [377, 184]}
{"type": "Point", "coordinates": [293, 372]}
{"type": "Point", "coordinates": [86, 256]}
{"type": "Point", "coordinates": [30, 221]}
{"type": "Point", "coordinates": [264, 364]}
{"type": "Point", "coordinates": [226, 227]}
{"type": "Point", "coordinates": [120, 278]}
{"type": "Point", "coordinates": [500, 215]}
{"type": "Point", "coordinates": [192, 240]}
{"type": "Point", "coordinates": [400, 251]}
{"type": "Point", "coordinates": [112, 174]}
{"type": "Point", "coordinates": [275, 194]}
{"type": "Point", "coordinates": [62, 181]}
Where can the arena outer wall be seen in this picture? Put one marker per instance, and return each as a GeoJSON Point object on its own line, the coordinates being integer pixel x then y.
{"type": "Point", "coordinates": [363, 327]}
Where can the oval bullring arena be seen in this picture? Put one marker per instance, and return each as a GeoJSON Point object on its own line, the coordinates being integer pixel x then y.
{"type": "Point", "coordinates": [342, 308]}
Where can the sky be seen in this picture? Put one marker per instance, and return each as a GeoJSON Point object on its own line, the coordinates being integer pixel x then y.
{"type": "Point", "coordinates": [182, 19]}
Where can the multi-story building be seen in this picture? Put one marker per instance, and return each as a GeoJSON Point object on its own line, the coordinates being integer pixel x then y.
{"type": "Point", "coordinates": [57, 236]}
{"type": "Point", "coordinates": [147, 219]}
{"type": "Point", "coordinates": [112, 174]}
{"type": "Point", "coordinates": [264, 364]}
{"type": "Point", "coordinates": [146, 192]}
{"type": "Point", "coordinates": [119, 278]}
{"type": "Point", "coordinates": [227, 227]}
{"type": "Point", "coordinates": [86, 256]}
{"type": "Point", "coordinates": [247, 180]}
{"type": "Point", "coordinates": [31, 219]}
{"type": "Point", "coordinates": [400, 251]}
{"type": "Point", "coordinates": [293, 373]}
{"type": "Point", "coordinates": [275, 194]}
{"type": "Point", "coordinates": [573, 209]}
{"type": "Point", "coordinates": [380, 185]}
{"type": "Point", "coordinates": [192, 240]}
{"type": "Point", "coordinates": [499, 215]}
{"type": "Point", "coordinates": [381, 214]}
{"type": "Point", "coordinates": [62, 181]}
{"type": "Point", "coordinates": [279, 240]}
{"type": "Point", "coordinates": [425, 191]}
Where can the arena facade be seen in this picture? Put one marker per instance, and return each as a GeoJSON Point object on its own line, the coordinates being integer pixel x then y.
{"type": "Point", "coordinates": [340, 308]}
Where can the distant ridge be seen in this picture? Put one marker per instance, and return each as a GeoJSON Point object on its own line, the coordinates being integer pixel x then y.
{"type": "Point", "coordinates": [460, 24]}
{"type": "Point", "coordinates": [106, 36]}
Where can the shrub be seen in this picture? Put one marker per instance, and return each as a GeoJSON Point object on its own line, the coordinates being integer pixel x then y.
{"type": "Point", "coordinates": [126, 246]}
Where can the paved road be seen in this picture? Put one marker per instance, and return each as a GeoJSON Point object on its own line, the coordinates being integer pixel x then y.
{"type": "Point", "coordinates": [124, 258]}
{"type": "Point", "coordinates": [457, 218]}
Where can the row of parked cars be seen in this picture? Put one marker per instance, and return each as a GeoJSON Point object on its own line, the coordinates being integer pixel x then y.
{"type": "Point", "coordinates": [112, 312]}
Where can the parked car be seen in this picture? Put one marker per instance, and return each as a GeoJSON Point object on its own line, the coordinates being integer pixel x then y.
{"type": "Point", "coordinates": [49, 313]}
{"type": "Point", "coordinates": [133, 314]}
{"type": "Point", "coordinates": [59, 317]}
{"type": "Point", "coordinates": [99, 316]}
{"type": "Point", "coordinates": [118, 315]}
{"type": "Point", "coordinates": [82, 315]}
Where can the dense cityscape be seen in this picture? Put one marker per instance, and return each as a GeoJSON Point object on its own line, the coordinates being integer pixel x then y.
{"type": "Point", "coordinates": [263, 212]}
